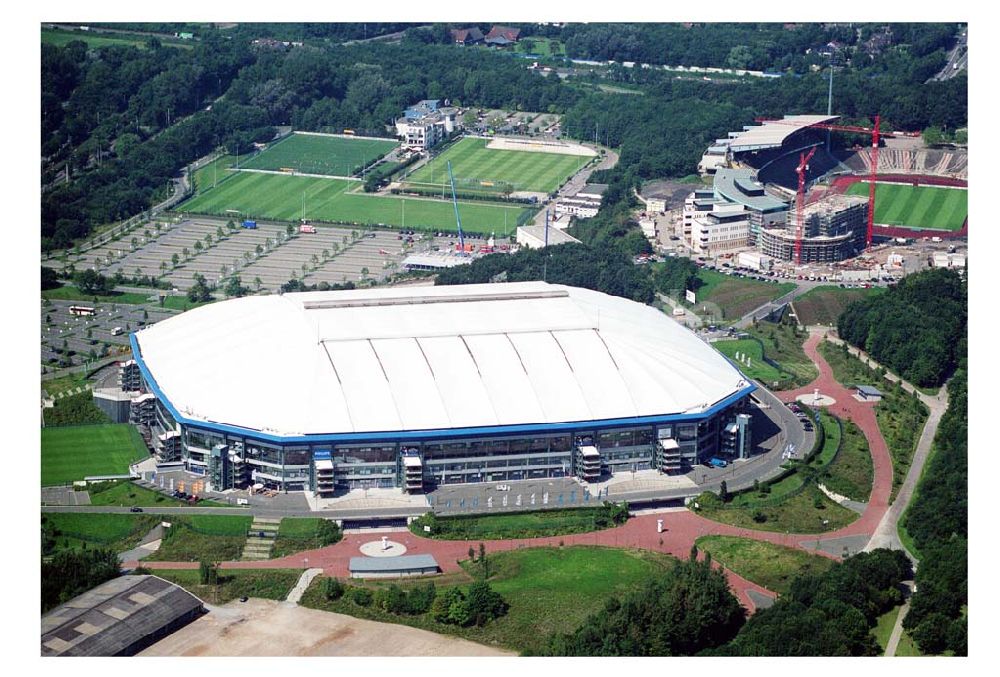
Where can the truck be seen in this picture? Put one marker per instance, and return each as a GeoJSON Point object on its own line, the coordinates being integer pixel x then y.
{"type": "Point", "coordinates": [307, 228]}
{"type": "Point", "coordinates": [935, 239]}
{"type": "Point", "coordinates": [717, 462]}
{"type": "Point", "coordinates": [251, 225]}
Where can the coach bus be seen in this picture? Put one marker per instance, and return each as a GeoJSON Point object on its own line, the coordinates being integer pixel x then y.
{"type": "Point", "coordinates": [81, 310]}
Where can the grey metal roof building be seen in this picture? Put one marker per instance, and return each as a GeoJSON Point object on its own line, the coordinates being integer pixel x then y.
{"type": "Point", "coordinates": [383, 567]}
{"type": "Point", "coordinates": [118, 618]}
{"type": "Point", "coordinates": [739, 186]}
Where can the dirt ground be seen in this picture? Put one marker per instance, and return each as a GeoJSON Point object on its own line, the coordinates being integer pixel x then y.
{"type": "Point", "coordinates": [268, 628]}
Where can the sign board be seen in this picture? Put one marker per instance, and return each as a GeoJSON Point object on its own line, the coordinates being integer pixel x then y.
{"type": "Point", "coordinates": [689, 295]}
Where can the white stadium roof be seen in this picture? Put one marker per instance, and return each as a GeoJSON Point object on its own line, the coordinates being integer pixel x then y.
{"type": "Point", "coordinates": [773, 133]}
{"type": "Point", "coordinates": [425, 358]}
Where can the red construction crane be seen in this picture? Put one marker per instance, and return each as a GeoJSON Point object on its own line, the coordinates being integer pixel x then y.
{"type": "Point", "coordinates": [876, 134]}
{"type": "Point", "coordinates": [804, 158]}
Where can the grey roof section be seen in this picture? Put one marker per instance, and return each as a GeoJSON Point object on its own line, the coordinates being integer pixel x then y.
{"type": "Point", "coordinates": [869, 390]}
{"type": "Point", "coordinates": [593, 189]}
{"type": "Point", "coordinates": [555, 236]}
{"type": "Point", "coordinates": [117, 617]}
{"type": "Point", "coordinates": [390, 564]}
{"type": "Point", "coordinates": [740, 186]}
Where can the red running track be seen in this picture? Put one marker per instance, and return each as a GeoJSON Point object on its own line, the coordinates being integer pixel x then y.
{"type": "Point", "coordinates": [683, 527]}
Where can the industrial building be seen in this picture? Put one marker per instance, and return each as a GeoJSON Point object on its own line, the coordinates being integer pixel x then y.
{"type": "Point", "coordinates": [424, 386]}
{"type": "Point", "coordinates": [536, 237]}
{"type": "Point", "coordinates": [118, 618]}
{"type": "Point", "coordinates": [724, 228]}
{"type": "Point", "coordinates": [833, 229]}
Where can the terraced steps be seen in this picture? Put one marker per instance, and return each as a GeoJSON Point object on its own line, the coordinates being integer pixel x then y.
{"type": "Point", "coordinates": [260, 538]}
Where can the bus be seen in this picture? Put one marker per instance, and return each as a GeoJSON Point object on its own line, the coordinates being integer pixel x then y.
{"type": "Point", "coordinates": [82, 310]}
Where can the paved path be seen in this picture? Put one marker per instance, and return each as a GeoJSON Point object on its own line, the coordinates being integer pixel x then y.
{"type": "Point", "coordinates": [683, 527]}
{"type": "Point", "coordinates": [295, 594]}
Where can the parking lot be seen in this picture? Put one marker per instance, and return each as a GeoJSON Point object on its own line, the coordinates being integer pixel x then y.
{"type": "Point", "coordinates": [71, 339]}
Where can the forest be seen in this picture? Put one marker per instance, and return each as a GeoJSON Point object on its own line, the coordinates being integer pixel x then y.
{"type": "Point", "coordinates": [121, 121]}
{"type": "Point", "coordinates": [917, 329]}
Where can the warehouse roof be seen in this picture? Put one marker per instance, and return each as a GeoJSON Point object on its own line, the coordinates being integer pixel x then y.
{"type": "Point", "coordinates": [392, 564]}
{"type": "Point", "coordinates": [429, 358]}
{"type": "Point", "coordinates": [116, 618]}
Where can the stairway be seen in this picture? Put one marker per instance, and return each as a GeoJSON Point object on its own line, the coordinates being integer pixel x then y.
{"type": "Point", "coordinates": [260, 538]}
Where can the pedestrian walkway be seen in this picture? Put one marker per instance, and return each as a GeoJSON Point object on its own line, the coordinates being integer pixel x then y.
{"type": "Point", "coordinates": [682, 528]}
{"type": "Point", "coordinates": [260, 539]}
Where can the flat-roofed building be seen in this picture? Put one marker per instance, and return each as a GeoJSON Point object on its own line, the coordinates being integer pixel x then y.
{"type": "Point", "coordinates": [536, 237]}
{"type": "Point", "coordinates": [726, 228]}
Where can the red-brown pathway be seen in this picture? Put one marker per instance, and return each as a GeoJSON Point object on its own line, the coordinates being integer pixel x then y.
{"type": "Point", "coordinates": [683, 527]}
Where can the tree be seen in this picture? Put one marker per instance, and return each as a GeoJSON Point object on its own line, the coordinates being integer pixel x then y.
{"type": "Point", "coordinates": [231, 225]}
{"type": "Point", "coordinates": [933, 135]}
{"type": "Point", "coordinates": [289, 230]}
{"type": "Point", "coordinates": [197, 245]}
{"type": "Point", "coordinates": [723, 492]}
{"type": "Point", "coordinates": [175, 259]}
{"type": "Point", "coordinates": [333, 589]}
{"type": "Point", "coordinates": [50, 279]}
{"type": "Point", "coordinates": [364, 272]}
{"type": "Point", "coordinates": [69, 573]}
{"type": "Point", "coordinates": [234, 288]}
{"type": "Point", "coordinates": [163, 267]}
{"type": "Point", "coordinates": [208, 573]}
{"type": "Point", "coordinates": [257, 283]}
{"type": "Point", "coordinates": [91, 282]}
{"type": "Point", "coordinates": [199, 291]}
{"type": "Point", "coordinates": [208, 240]}
{"type": "Point", "coordinates": [219, 233]}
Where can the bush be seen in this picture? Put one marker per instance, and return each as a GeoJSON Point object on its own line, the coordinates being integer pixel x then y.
{"type": "Point", "coordinates": [759, 516]}
{"type": "Point", "coordinates": [391, 599]}
{"type": "Point", "coordinates": [333, 588]}
{"type": "Point", "coordinates": [421, 598]}
{"type": "Point", "coordinates": [362, 596]}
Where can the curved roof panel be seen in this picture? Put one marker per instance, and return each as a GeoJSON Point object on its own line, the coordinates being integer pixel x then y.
{"type": "Point", "coordinates": [430, 358]}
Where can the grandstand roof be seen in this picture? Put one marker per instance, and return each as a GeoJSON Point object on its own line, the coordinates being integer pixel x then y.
{"type": "Point", "coordinates": [774, 132]}
{"type": "Point", "coordinates": [429, 358]}
{"type": "Point", "coordinates": [739, 186]}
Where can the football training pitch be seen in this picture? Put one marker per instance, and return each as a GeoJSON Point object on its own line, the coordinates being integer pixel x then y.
{"type": "Point", "coordinates": [918, 207]}
{"type": "Point", "coordinates": [476, 166]}
{"type": "Point", "coordinates": [312, 154]}
{"type": "Point", "coordinates": [74, 452]}
{"type": "Point", "coordinates": [288, 198]}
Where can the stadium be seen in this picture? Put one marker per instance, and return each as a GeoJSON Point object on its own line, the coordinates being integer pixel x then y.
{"type": "Point", "coordinates": [920, 192]}
{"type": "Point", "coordinates": [420, 387]}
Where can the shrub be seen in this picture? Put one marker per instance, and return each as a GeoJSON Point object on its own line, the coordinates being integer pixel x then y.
{"type": "Point", "coordinates": [391, 599]}
{"type": "Point", "coordinates": [333, 589]}
{"type": "Point", "coordinates": [362, 596]}
{"type": "Point", "coordinates": [421, 598]}
{"type": "Point", "coordinates": [759, 516]}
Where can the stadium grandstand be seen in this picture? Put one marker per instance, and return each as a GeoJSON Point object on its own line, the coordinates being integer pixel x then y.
{"type": "Point", "coordinates": [920, 161]}
{"type": "Point", "coordinates": [416, 387]}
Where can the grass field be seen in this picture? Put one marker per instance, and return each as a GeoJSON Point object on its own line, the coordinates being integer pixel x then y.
{"type": "Point", "coordinates": [800, 513]}
{"type": "Point", "coordinates": [74, 452]}
{"type": "Point", "coordinates": [472, 162]}
{"type": "Point", "coordinates": [517, 525]}
{"type": "Point", "coordinates": [548, 589]}
{"type": "Point", "coordinates": [783, 344]}
{"type": "Point", "coordinates": [543, 47]}
{"type": "Point", "coordinates": [823, 305]}
{"type": "Point", "coordinates": [883, 627]}
{"type": "Point", "coordinates": [929, 207]}
{"type": "Point", "coordinates": [731, 296]}
{"type": "Point", "coordinates": [758, 369]}
{"type": "Point", "coordinates": [69, 292]}
{"type": "Point", "coordinates": [310, 154]}
{"type": "Point", "coordinates": [60, 38]}
{"type": "Point", "coordinates": [900, 416]}
{"type": "Point", "coordinates": [194, 538]}
{"type": "Point", "coordinates": [280, 197]}
{"type": "Point", "coordinates": [851, 473]}
{"type": "Point", "coordinates": [74, 531]}
{"type": "Point", "coordinates": [296, 534]}
{"type": "Point", "coordinates": [233, 583]}
{"type": "Point", "coordinates": [766, 564]}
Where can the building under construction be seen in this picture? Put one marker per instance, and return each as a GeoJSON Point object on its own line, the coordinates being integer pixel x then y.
{"type": "Point", "coordinates": [833, 229]}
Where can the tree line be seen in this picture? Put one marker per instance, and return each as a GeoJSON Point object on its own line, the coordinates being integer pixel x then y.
{"type": "Point", "coordinates": [917, 329]}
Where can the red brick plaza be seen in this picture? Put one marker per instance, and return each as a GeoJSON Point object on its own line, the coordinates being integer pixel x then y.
{"type": "Point", "coordinates": [683, 527]}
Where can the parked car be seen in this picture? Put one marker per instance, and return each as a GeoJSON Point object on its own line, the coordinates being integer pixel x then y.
{"type": "Point", "coordinates": [135, 508]}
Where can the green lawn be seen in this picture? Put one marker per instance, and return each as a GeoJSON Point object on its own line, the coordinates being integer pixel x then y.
{"type": "Point", "coordinates": [823, 305]}
{"type": "Point", "coordinates": [883, 627]}
{"type": "Point", "coordinates": [296, 534]}
{"type": "Point", "coordinates": [213, 173]}
{"type": "Point", "coordinates": [97, 530]}
{"type": "Point", "coordinates": [758, 369]}
{"type": "Point", "coordinates": [71, 293]}
{"type": "Point", "coordinates": [733, 296]}
{"type": "Point", "coordinates": [73, 452]}
{"type": "Point", "coordinates": [280, 197]}
{"type": "Point", "coordinates": [797, 514]}
{"type": "Point", "coordinates": [60, 37]}
{"type": "Point", "coordinates": [906, 646]}
{"type": "Point", "coordinates": [543, 47]}
{"type": "Point", "coordinates": [234, 583]}
{"type": "Point", "coordinates": [310, 154]}
{"type": "Point", "coordinates": [766, 564]}
{"type": "Point", "coordinates": [930, 207]}
{"type": "Point", "coordinates": [512, 525]}
{"type": "Point", "coordinates": [851, 474]}
{"type": "Point", "coordinates": [548, 589]}
{"type": "Point", "coordinates": [64, 383]}
{"type": "Point", "coordinates": [193, 538]}
{"type": "Point", "coordinates": [783, 344]}
{"type": "Point", "coordinates": [473, 163]}
{"type": "Point", "coordinates": [900, 416]}
{"type": "Point", "coordinates": [126, 494]}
